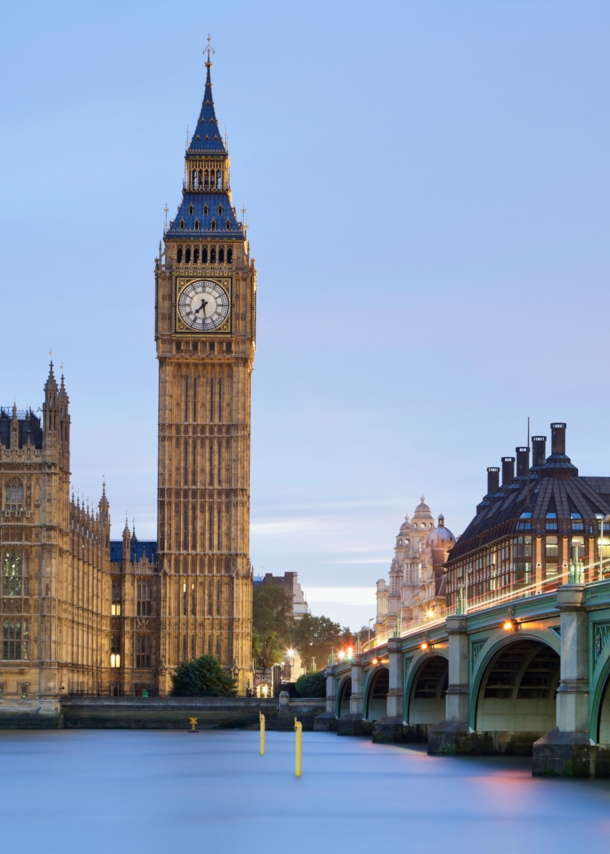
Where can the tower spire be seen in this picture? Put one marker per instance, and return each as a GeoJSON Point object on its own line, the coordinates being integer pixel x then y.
{"type": "Point", "coordinates": [209, 50]}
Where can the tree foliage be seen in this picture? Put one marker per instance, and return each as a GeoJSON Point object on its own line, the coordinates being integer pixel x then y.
{"type": "Point", "coordinates": [272, 623]}
{"type": "Point", "coordinates": [311, 684]}
{"type": "Point", "coordinates": [203, 677]}
{"type": "Point", "coordinates": [314, 637]}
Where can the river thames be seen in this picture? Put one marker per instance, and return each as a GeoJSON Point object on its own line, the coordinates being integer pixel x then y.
{"type": "Point", "coordinates": [156, 791]}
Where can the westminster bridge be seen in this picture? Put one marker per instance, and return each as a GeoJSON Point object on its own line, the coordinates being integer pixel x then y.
{"type": "Point", "coordinates": [528, 673]}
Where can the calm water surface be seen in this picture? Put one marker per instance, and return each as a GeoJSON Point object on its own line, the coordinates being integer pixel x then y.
{"type": "Point", "coordinates": [96, 791]}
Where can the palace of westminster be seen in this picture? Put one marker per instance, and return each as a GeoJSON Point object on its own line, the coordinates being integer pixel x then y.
{"type": "Point", "coordinates": [80, 613]}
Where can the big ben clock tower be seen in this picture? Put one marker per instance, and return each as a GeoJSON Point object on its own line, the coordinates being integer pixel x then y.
{"type": "Point", "coordinates": [205, 315]}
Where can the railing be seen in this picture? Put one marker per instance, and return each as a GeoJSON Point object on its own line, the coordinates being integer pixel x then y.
{"type": "Point", "coordinates": [503, 596]}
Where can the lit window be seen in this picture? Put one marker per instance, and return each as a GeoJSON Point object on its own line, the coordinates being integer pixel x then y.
{"type": "Point", "coordinates": [577, 523]}
{"type": "Point", "coordinates": [15, 581]}
{"type": "Point", "coordinates": [525, 521]}
{"type": "Point", "coordinates": [551, 521]}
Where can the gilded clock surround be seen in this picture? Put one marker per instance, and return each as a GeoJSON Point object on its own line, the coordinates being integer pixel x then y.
{"type": "Point", "coordinates": [182, 282]}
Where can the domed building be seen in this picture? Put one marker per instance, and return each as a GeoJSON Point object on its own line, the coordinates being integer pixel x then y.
{"type": "Point", "coordinates": [417, 584]}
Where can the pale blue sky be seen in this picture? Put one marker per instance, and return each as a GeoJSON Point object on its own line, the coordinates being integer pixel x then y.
{"type": "Point", "coordinates": [427, 191]}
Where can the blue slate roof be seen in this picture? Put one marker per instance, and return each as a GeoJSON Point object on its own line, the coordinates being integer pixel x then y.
{"type": "Point", "coordinates": [198, 202]}
{"type": "Point", "coordinates": [206, 136]}
{"type": "Point", "coordinates": [139, 549]}
{"type": "Point", "coordinates": [29, 425]}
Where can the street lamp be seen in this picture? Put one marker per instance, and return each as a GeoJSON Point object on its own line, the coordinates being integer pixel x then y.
{"type": "Point", "coordinates": [601, 544]}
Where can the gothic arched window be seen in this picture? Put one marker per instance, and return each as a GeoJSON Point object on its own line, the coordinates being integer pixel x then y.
{"type": "Point", "coordinates": [228, 225]}
{"type": "Point", "coordinates": [213, 255]}
{"type": "Point", "coordinates": [200, 177]}
{"type": "Point", "coordinates": [220, 210]}
{"type": "Point", "coordinates": [188, 255]}
{"type": "Point", "coordinates": [218, 180]}
{"type": "Point", "coordinates": [229, 256]}
{"type": "Point", "coordinates": [204, 255]}
{"type": "Point", "coordinates": [196, 255]}
{"type": "Point", "coordinates": [191, 210]}
{"type": "Point", "coordinates": [14, 495]}
{"type": "Point", "coordinates": [221, 256]}
{"type": "Point", "coordinates": [181, 223]}
{"type": "Point", "coordinates": [194, 177]}
{"type": "Point", "coordinates": [213, 225]}
{"type": "Point", "coordinates": [15, 573]}
{"type": "Point", "coordinates": [205, 178]}
{"type": "Point", "coordinates": [196, 225]}
{"type": "Point", "coordinates": [179, 255]}
{"type": "Point", "coordinates": [205, 210]}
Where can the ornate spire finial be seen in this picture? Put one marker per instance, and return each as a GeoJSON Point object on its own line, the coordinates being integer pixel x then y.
{"type": "Point", "coordinates": [423, 499]}
{"type": "Point", "coordinates": [209, 50]}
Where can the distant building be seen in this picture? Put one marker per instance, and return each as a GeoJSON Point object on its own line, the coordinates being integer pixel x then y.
{"type": "Point", "coordinates": [417, 585]}
{"type": "Point", "coordinates": [289, 581]}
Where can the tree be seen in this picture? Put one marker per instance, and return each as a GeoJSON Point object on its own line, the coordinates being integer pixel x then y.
{"type": "Point", "coordinates": [311, 685]}
{"type": "Point", "coordinates": [203, 677]}
{"type": "Point", "coordinates": [314, 637]}
{"type": "Point", "coordinates": [272, 623]}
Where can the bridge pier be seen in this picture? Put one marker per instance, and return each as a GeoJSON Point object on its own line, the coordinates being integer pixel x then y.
{"type": "Point", "coordinates": [567, 750]}
{"type": "Point", "coordinates": [454, 735]}
{"type": "Point", "coordinates": [391, 727]}
{"type": "Point", "coordinates": [353, 724]}
{"type": "Point", "coordinates": [327, 722]}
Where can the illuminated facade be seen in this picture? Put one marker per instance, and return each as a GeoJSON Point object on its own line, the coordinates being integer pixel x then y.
{"type": "Point", "coordinates": [527, 529]}
{"type": "Point", "coordinates": [416, 586]}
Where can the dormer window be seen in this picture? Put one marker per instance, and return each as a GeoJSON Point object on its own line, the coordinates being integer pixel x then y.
{"type": "Point", "coordinates": [215, 136]}
{"type": "Point", "coordinates": [213, 225]}
{"type": "Point", "coordinates": [196, 225]}
{"type": "Point", "coordinates": [191, 210]}
{"type": "Point", "coordinates": [206, 136]}
{"type": "Point", "coordinates": [182, 225]}
{"type": "Point", "coordinates": [228, 225]}
{"type": "Point", "coordinates": [205, 210]}
{"type": "Point", "coordinates": [203, 120]}
{"type": "Point", "coordinates": [220, 210]}
{"type": "Point", "coordinates": [197, 137]}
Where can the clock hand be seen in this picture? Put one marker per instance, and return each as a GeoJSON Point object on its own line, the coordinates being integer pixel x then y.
{"type": "Point", "coordinates": [202, 306]}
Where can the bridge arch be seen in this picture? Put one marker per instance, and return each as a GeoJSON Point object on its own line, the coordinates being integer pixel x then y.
{"type": "Point", "coordinates": [425, 690]}
{"type": "Point", "coordinates": [376, 694]}
{"type": "Point", "coordinates": [343, 696]}
{"type": "Point", "coordinates": [516, 685]}
{"type": "Point", "coordinates": [600, 693]}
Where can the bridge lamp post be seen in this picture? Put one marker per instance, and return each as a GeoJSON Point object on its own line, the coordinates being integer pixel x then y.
{"type": "Point", "coordinates": [602, 519]}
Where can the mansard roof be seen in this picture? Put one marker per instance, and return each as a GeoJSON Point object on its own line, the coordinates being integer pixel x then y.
{"type": "Point", "coordinates": [206, 136]}
{"type": "Point", "coordinates": [574, 503]}
{"type": "Point", "coordinates": [29, 427]}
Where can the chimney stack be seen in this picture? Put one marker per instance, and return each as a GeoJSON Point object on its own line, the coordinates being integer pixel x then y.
{"type": "Point", "coordinates": [493, 480]}
{"type": "Point", "coordinates": [508, 470]}
{"type": "Point", "coordinates": [558, 440]}
{"type": "Point", "coordinates": [538, 451]}
{"type": "Point", "coordinates": [523, 461]}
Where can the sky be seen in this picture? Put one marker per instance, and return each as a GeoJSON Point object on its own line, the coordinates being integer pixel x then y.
{"type": "Point", "coordinates": [426, 187]}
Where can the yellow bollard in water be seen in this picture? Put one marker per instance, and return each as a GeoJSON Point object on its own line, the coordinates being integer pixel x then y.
{"type": "Point", "coordinates": [261, 718]}
{"type": "Point", "coordinates": [298, 760]}
{"type": "Point", "coordinates": [193, 723]}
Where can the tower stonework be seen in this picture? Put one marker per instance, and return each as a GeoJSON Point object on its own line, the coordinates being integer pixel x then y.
{"type": "Point", "coordinates": [205, 316]}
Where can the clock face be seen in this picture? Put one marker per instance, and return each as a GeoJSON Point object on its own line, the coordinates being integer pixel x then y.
{"type": "Point", "coordinates": [203, 305]}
